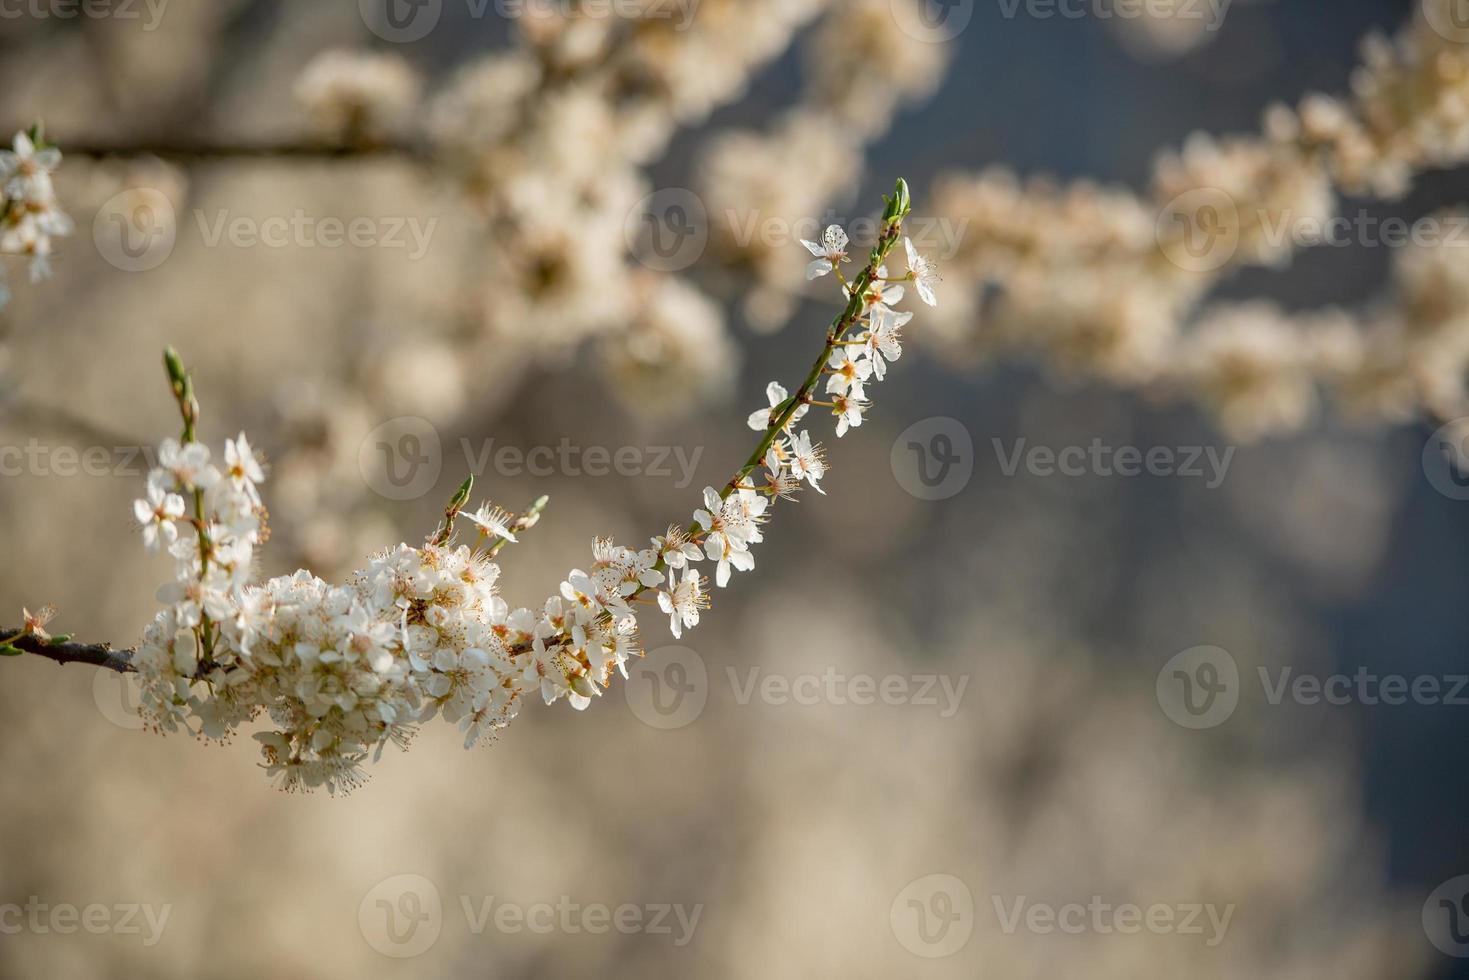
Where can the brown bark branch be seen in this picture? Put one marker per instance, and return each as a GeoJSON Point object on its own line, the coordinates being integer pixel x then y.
{"type": "Point", "coordinates": [188, 148]}
{"type": "Point", "coordinates": [67, 652]}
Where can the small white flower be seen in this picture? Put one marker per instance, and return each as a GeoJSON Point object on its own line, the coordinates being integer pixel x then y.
{"type": "Point", "coordinates": [848, 411]}
{"type": "Point", "coordinates": [775, 393]}
{"type": "Point", "coordinates": [731, 526]}
{"type": "Point", "coordinates": [808, 462]}
{"type": "Point", "coordinates": [684, 602]}
{"type": "Point", "coordinates": [193, 599]}
{"type": "Point", "coordinates": [365, 639]}
{"type": "Point", "coordinates": [881, 295]}
{"type": "Point", "coordinates": [923, 273]}
{"type": "Point", "coordinates": [157, 513]}
{"type": "Point", "coordinates": [882, 340]}
{"type": "Point", "coordinates": [847, 373]}
{"type": "Point", "coordinates": [188, 465]}
{"type": "Point", "coordinates": [829, 254]}
{"type": "Point", "coordinates": [26, 171]}
{"type": "Point", "coordinates": [243, 467]}
{"type": "Point", "coordinates": [493, 521]}
{"type": "Point", "coordinates": [583, 595]}
{"type": "Point", "coordinates": [676, 549]}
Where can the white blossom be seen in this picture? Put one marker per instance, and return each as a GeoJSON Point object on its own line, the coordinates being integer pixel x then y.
{"type": "Point", "coordinates": [847, 373]}
{"type": "Point", "coordinates": [807, 461]}
{"type": "Point", "coordinates": [923, 273]}
{"type": "Point", "coordinates": [157, 512]}
{"type": "Point", "coordinates": [883, 345]}
{"type": "Point", "coordinates": [830, 254]}
{"type": "Point", "coordinates": [493, 521]}
{"type": "Point", "coordinates": [776, 394]}
{"type": "Point", "coordinates": [684, 602]}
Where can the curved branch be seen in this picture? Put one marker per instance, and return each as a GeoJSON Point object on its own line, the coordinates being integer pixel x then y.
{"type": "Point", "coordinates": [67, 652]}
{"type": "Point", "coordinates": [289, 148]}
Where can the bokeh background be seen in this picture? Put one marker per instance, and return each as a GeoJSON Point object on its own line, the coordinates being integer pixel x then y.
{"type": "Point", "coordinates": [807, 835]}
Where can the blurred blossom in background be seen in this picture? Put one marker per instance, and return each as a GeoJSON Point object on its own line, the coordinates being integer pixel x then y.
{"type": "Point", "coordinates": [1127, 642]}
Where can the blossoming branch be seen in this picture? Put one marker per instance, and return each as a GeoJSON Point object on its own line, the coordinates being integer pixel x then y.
{"type": "Point", "coordinates": [343, 670]}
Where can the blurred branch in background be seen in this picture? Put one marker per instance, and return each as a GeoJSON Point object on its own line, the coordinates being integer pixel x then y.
{"type": "Point", "coordinates": [182, 149]}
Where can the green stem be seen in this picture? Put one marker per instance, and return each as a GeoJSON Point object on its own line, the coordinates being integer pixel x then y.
{"type": "Point", "coordinates": [183, 392]}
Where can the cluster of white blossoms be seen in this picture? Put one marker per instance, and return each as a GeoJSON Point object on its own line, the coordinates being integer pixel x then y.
{"type": "Point", "coordinates": [30, 217]}
{"type": "Point", "coordinates": [341, 671]}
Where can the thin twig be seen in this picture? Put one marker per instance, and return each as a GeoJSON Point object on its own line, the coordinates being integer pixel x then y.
{"type": "Point", "coordinates": [292, 148]}
{"type": "Point", "coordinates": [67, 652]}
